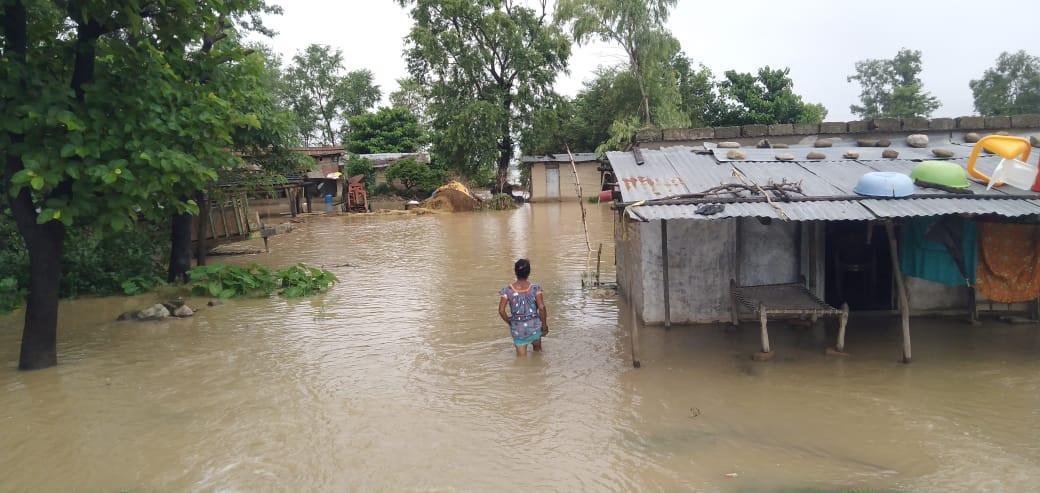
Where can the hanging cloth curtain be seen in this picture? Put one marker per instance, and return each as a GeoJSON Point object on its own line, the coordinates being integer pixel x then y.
{"type": "Point", "coordinates": [940, 249]}
{"type": "Point", "coordinates": [1009, 262]}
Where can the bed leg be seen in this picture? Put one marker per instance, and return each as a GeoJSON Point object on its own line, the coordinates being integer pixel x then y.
{"type": "Point", "coordinates": [843, 320]}
{"type": "Point", "coordinates": [766, 354]}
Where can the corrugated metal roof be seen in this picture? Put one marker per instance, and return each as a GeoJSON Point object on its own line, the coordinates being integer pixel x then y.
{"type": "Point", "coordinates": [683, 170]}
{"type": "Point", "coordinates": [795, 211]}
{"type": "Point", "coordinates": [579, 157]}
{"type": "Point", "coordinates": [887, 208]}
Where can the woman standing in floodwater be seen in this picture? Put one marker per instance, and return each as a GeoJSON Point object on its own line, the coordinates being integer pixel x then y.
{"type": "Point", "coordinates": [527, 314]}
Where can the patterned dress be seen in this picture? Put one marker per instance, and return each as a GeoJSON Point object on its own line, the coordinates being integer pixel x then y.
{"type": "Point", "coordinates": [524, 324]}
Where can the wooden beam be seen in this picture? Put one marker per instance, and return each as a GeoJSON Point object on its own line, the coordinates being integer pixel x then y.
{"type": "Point", "coordinates": [904, 302]}
{"type": "Point", "coordinates": [664, 268]}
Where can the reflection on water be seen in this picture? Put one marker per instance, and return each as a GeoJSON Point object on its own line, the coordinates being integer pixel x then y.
{"type": "Point", "coordinates": [403, 378]}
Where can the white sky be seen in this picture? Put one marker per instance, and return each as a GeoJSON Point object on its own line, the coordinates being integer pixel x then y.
{"type": "Point", "coordinates": [819, 40]}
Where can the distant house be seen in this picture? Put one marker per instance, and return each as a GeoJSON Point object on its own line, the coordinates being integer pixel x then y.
{"type": "Point", "coordinates": [552, 178]}
{"type": "Point", "coordinates": [327, 160]}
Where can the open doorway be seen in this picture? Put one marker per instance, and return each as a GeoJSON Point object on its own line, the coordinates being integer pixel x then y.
{"type": "Point", "coordinates": [859, 267]}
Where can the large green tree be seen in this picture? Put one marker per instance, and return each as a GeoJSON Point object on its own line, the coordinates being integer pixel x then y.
{"type": "Point", "coordinates": [323, 96]}
{"type": "Point", "coordinates": [387, 130]}
{"type": "Point", "coordinates": [109, 112]}
{"type": "Point", "coordinates": [1011, 87]}
{"type": "Point", "coordinates": [892, 88]}
{"type": "Point", "coordinates": [637, 26]}
{"type": "Point", "coordinates": [486, 66]}
{"type": "Point", "coordinates": [766, 97]}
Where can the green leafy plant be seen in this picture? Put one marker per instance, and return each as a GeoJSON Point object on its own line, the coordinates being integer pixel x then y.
{"type": "Point", "coordinates": [228, 281]}
{"type": "Point", "coordinates": [140, 284]}
{"type": "Point", "coordinates": [299, 280]}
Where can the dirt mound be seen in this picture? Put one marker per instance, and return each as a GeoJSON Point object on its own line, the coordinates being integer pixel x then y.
{"type": "Point", "coordinates": [453, 197]}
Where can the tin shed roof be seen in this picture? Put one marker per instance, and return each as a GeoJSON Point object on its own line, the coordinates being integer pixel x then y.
{"type": "Point", "coordinates": [671, 179]}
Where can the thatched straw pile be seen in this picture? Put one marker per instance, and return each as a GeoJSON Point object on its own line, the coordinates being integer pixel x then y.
{"type": "Point", "coordinates": [453, 197]}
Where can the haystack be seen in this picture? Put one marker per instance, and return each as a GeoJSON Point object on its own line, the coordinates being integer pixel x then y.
{"type": "Point", "coordinates": [453, 197]}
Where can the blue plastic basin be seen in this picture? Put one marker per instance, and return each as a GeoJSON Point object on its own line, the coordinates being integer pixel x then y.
{"type": "Point", "coordinates": [884, 184]}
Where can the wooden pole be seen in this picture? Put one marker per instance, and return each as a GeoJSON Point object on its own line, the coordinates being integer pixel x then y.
{"type": "Point", "coordinates": [904, 302]}
{"type": "Point", "coordinates": [599, 256]}
{"type": "Point", "coordinates": [664, 268]}
{"type": "Point", "coordinates": [581, 203]}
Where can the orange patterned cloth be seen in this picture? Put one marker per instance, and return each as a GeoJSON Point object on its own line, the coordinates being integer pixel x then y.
{"type": "Point", "coordinates": [1009, 262]}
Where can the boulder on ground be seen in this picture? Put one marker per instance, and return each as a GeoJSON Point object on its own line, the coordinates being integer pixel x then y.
{"type": "Point", "coordinates": [183, 311]}
{"type": "Point", "coordinates": [154, 312]}
{"type": "Point", "coordinates": [129, 315]}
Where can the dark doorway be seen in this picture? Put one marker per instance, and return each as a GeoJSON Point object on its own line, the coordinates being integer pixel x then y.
{"type": "Point", "coordinates": [859, 269]}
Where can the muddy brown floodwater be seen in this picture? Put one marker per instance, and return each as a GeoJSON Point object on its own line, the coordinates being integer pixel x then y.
{"type": "Point", "coordinates": [401, 378]}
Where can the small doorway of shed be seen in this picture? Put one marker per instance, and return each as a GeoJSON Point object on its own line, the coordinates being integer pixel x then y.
{"type": "Point", "coordinates": [858, 266]}
{"type": "Point", "coordinates": [552, 181]}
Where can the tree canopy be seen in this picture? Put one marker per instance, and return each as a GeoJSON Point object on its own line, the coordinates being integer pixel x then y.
{"type": "Point", "coordinates": [323, 97]}
{"type": "Point", "coordinates": [1011, 87]}
{"type": "Point", "coordinates": [767, 97]}
{"type": "Point", "coordinates": [387, 130]}
{"type": "Point", "coordinates": [637, 26]}
{"type": "Point", "coordinates": [113, 111]}
{"type": "Point", "coordinates": [485, 66]}
{"type": "Point", "coordinates": [892, 88]}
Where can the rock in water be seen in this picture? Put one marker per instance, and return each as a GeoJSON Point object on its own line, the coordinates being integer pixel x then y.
{"type": "Point", "coordinates": [736, 155]}
{"type": "Point", "coordinates": [783, 156]}
{"type": "Point", "coordinates": [889, 154]}
{"type": "Point", "coordinates": [183, 312]}
{"type": "Point", "coordinates": [972, 137]}
{"type": "Point", "coordinates": [917, 140]}
{"type": "Point", "coordinates": [884, 143]}
{"type": "Point", "coordinates": [1034, 141]}
{"type": "Point", "coordinates": [215, 303]}
{"type": "Point", "coordinates": [729, 145]}
{"type": "Point", "coordinates": [866, 142]}
{"type": "Point", "coordinates": [823, 143]}
{"type": "Point", "coordinates": [130, 315]}
{"type": "Point", "coordinates": [942, 152]}
{"type": "Point", "coordinates": [850, 155]}
{"type": "Point", "coordinates": [816, 156]}
{"type": "Point", "coordinates": [154, 312]}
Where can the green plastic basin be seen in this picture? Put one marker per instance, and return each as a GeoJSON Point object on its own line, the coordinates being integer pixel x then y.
{"type": "Point", "coordinates": [945, 173]}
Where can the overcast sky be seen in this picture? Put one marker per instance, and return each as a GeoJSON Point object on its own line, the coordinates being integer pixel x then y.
{"type": "Point", "coordinates": [819, 40]}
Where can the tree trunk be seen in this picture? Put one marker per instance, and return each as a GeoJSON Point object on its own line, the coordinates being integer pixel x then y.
{"type": "Point", "coordinates": [180, 248]}
{"type": "Point", "coordinates": [505, 148]}
{"type": "Point", "coordinates": [200, 252]}
{"type": "Point", "coordinates": [45, 243]}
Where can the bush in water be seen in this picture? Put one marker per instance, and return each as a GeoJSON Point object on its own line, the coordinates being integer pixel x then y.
{"type": "Point", "coordinates": [228, 281]}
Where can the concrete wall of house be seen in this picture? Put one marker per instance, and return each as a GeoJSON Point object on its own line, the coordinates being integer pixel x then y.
{"type": "Point", "coordinates": [701, 261]}
{"type": "Point", "coordinates": [537, 182]}
{"type": "Point", "coordinates": [588, 175]}
{"type": "Point", "coordinates": [927, 295]}
{"type": "Point", "coordinates": [769, 252]}
{"type": "Point", "coordinates": [628, 248]}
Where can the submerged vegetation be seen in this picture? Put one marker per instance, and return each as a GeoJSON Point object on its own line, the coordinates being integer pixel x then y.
{"type": "Point", "coordinates": [228, 281]}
